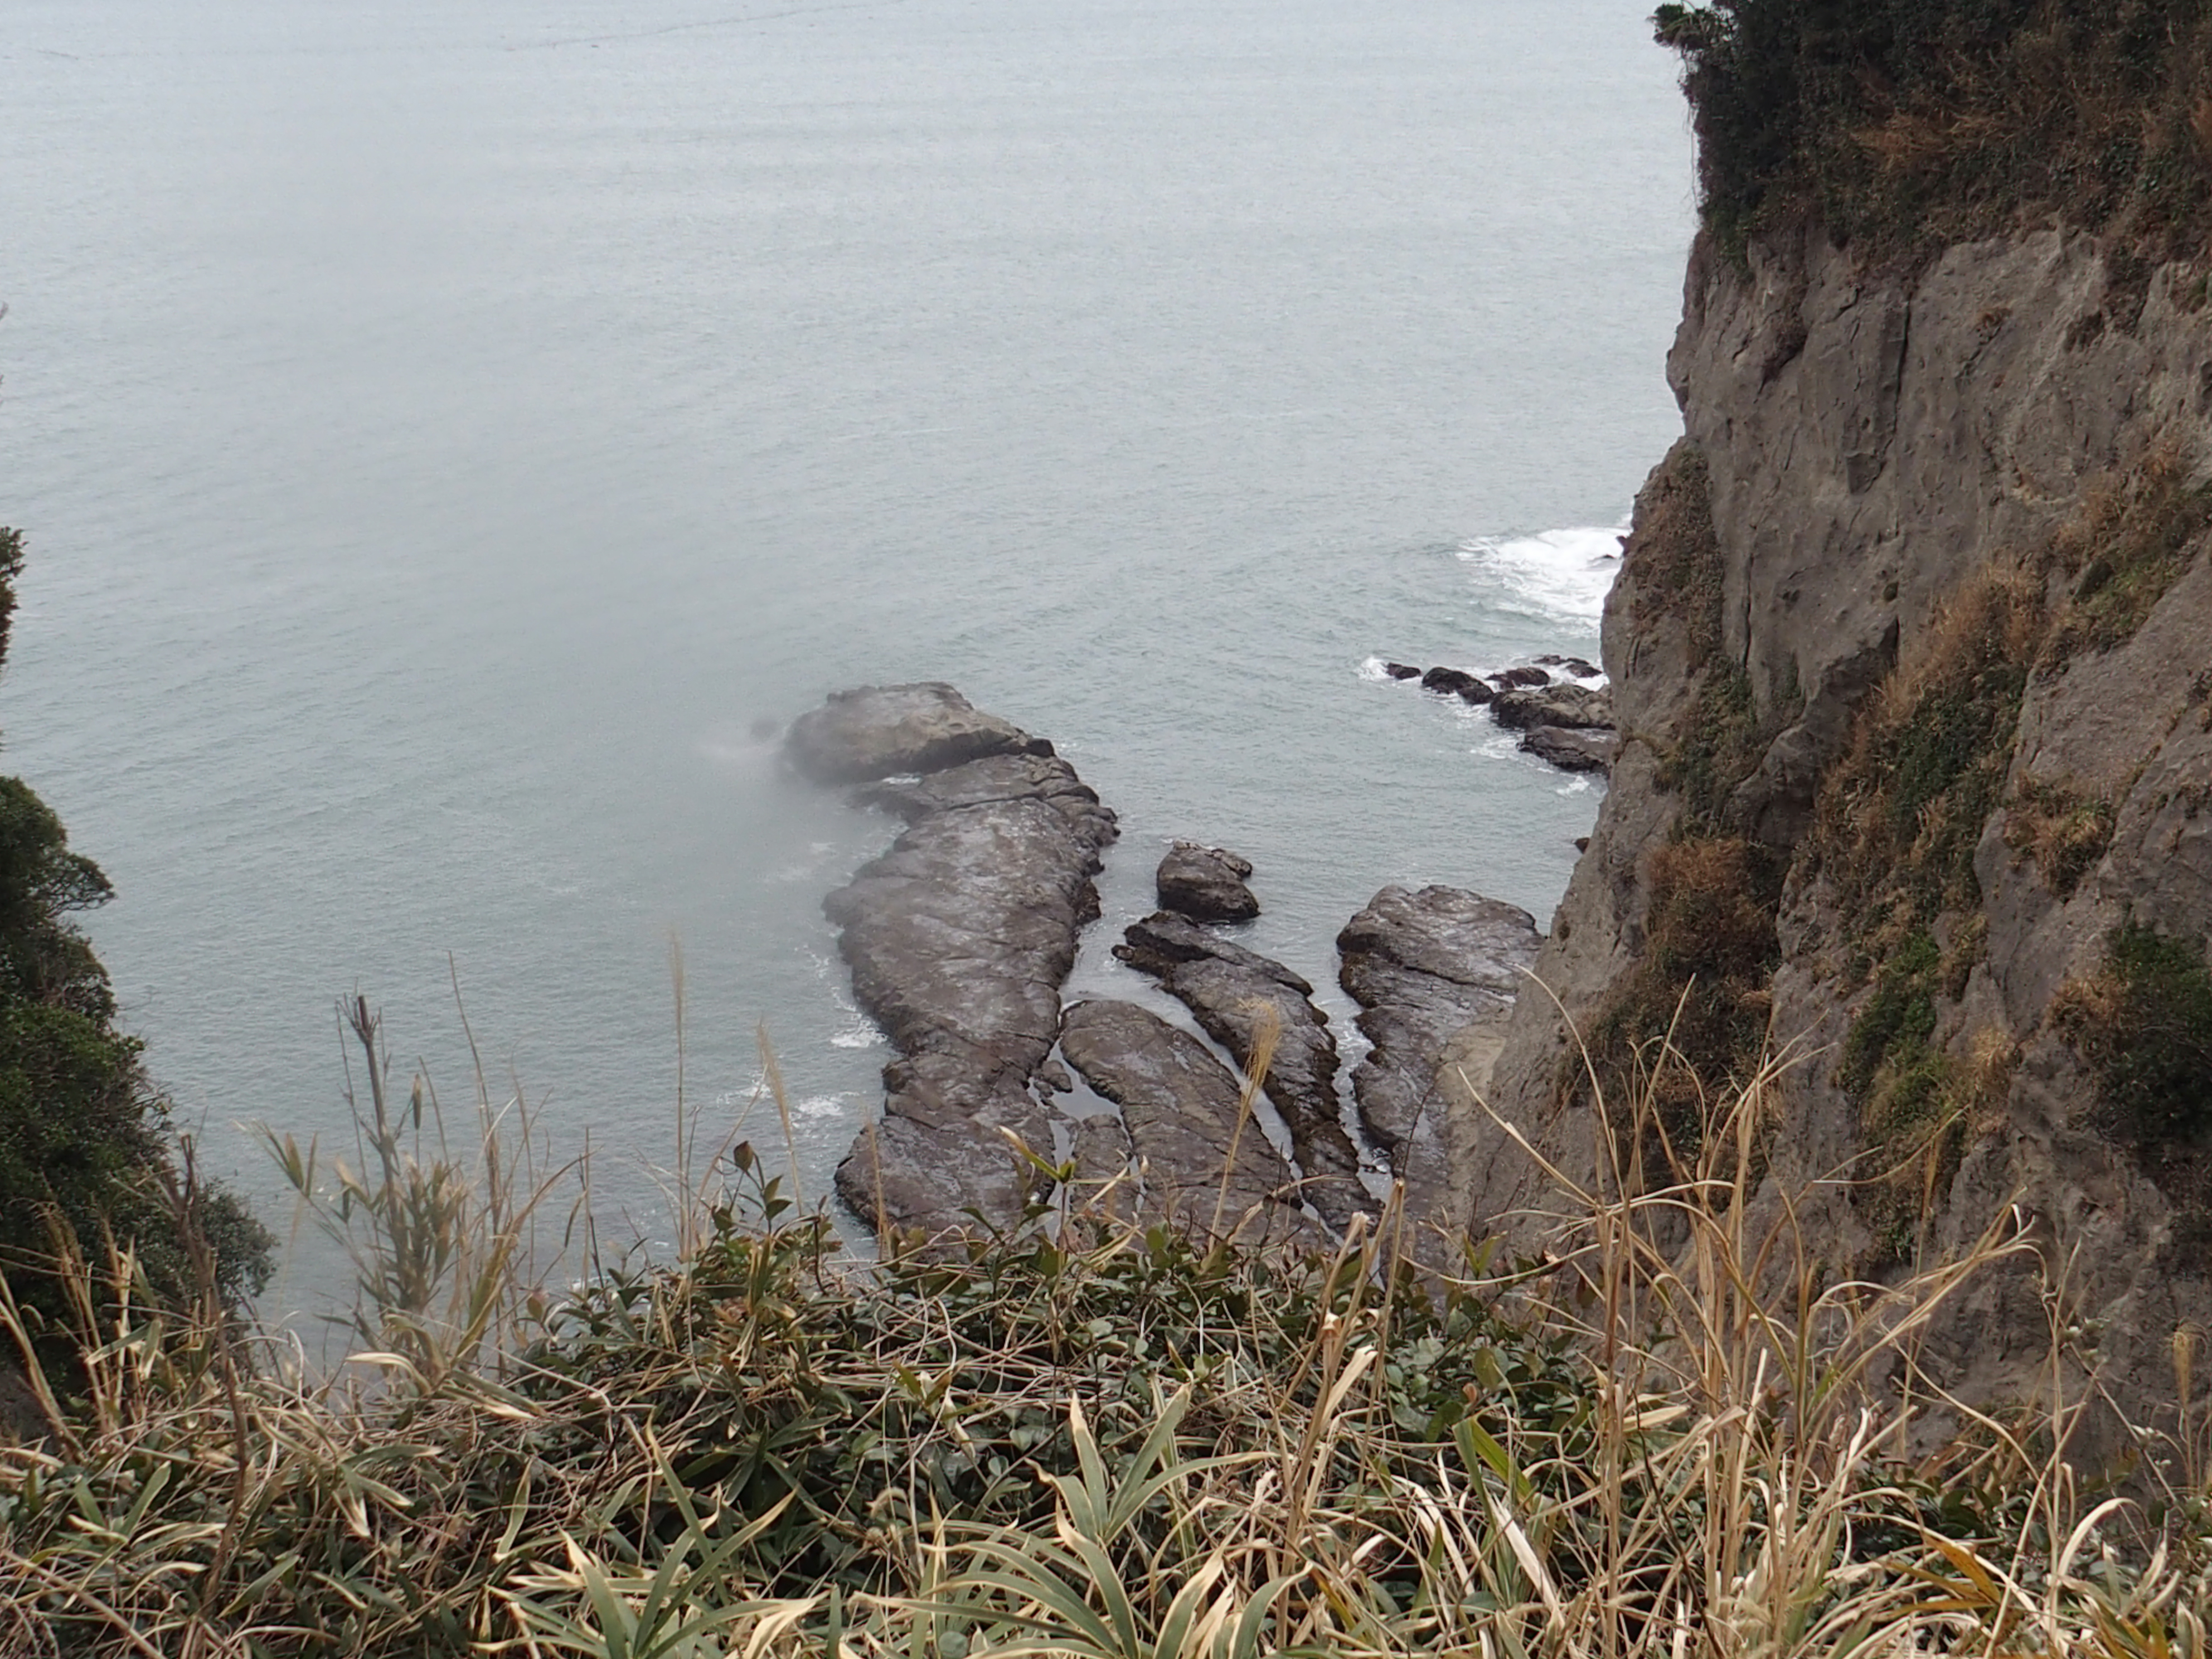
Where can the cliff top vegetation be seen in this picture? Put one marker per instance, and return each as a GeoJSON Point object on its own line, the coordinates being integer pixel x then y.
{"type": "Point", "coordinates": [1904, 126]}
{"type": "Point", "coordinates": [85, 1152]}
{"type": "Point", "coordinates": [1084, 1437]}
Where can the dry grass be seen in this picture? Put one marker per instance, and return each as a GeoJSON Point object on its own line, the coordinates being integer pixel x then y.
{"type": "Point", "coordinates": [1093, 1439]}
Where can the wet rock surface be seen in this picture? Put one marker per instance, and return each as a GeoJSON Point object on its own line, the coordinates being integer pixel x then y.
{"type": "Point", "coordinates": [959, 938]}
{"type": "Point", "coordinates": [1205, 882]}
{"type": "Point", "coordinates": [1180, 1109]}
{"type": "Point", "coordinates": [1235, 994]}
{"type": "Point", "coordinates": [1541, 699]}
{"type": "Point", "coordinates": [1571, 707]}
{"type": "Point", "coordinates": [1573, 750]}
{"type": "Point", "coordinates": [879, 731]}
{"type": "Point", "coordinates": [1426, 968]}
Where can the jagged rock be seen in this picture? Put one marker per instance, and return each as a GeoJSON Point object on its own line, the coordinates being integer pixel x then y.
{"type": "Point", "coordinates": [1180, 1109]}
{"type": "Point", "coordinates": [1449, 681]}
{"type": "Point", "coordinates": [959, 938]}
{"type": "Point", "coordinates": [1514, 680]}
{"type": "Point", "coordinates": [1574, 706]}
{"type": "Point", "coordinates": [1401, 671]}
{"type": "Point", "coordinates": [1227, 988]}
{"type": "Point", "coordinates": [1206, 883]}
{"type": "Point", "coordinates": [1590, 749]}
{"type": "Point", "coordinates": [1577, 666]}
{"type": "Point", "coordinates": [1435, 973]}
{"type": "Point", "coordinates": [878, 731]}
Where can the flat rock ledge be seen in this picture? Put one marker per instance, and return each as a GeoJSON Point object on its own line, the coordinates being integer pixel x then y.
{"type": "Point", "coordinates": [959, 938]}
{"type": "Point", "coordinates": [1193, 1163]}
{"type": "Point", "coordinates": [1235, 994]}
{"type": "Point", "coordinates": [1435, 973]}
{"type": "Point", "coordinates": [881, 731]}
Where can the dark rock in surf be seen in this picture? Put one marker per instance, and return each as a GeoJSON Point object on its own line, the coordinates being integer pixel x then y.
{"type": "Point", "coordinates": [1590, 749]}
{"type": "Point", "coordinates": [1448, 681]}
{"type": "Point", "coordinates": [1515, 679]}
{"type": "Point", "coordinates": [1235, 994]}
{"type": "Point", "coordinates": [879, 731]}
{"type": "Point", "coordinates": [1401, 671]}
{"type": "Point", "coordinates": [1180, 1112]}
{"type": "Point", "coordinates": [1206, 883]}
{"type": "Point", "coordinates": [1575, 707]}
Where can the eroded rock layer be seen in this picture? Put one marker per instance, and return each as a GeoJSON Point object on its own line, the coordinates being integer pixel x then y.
{"type": "Point", "coordinates": [1435, 972]}
{"type": "Point", "coordinates": [1238, 997]}
{"type": "Point", "coordinates": [959, 938]}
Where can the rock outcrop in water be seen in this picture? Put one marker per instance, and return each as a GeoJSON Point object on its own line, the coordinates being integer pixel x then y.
{"type": "Point", "coordinates": [1435, 973]}
{"type": "Point", "coordinates": [881, 731]}
{"type": "Point", "coordinates": [1205, 882]}
{"type": "Point", "coordinates": [1194, 1165]}
{"type": "Point", "coordinates": [959, 938]}
{"type": "Point", "coordinates": [1236, 995]}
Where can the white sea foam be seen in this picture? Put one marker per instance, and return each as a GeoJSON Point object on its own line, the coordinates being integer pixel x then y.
{"type": "Point", "coordinates": [861, 1034]}
{"type": "Point", "coordinates": [823, 1106]}
{"type": "Point", "coordinates": [1563, 574]}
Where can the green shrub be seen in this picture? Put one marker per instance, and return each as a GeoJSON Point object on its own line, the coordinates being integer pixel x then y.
{"type": "Point", "coordinates": [85, 1154]}
{"type": "Point", "coordinates": [1910, 123]}
{"type": "Point", "coordinates": [2144, 1022]}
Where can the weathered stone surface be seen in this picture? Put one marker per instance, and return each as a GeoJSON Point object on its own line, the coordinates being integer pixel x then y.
{"type": "Point", "coordinates": [1579, 667]}
{"type": "Point", "coordinates": [1206, 883]}
{"type": "Point", "coordinates": [1573, 706]}
{"type": "Point", "coordinates": [1572, 751]}
{"type": "Point", "coordinates": [878, 731]}
{"type": "Point", "coordinates": [1421, 964]}
{"type": "Point", "coordinates": [1180, 1110]}
{"type": "Point", "coordinates": [1401, 671]}
{"type": "Point", "coordinates": [1513, 679]}
{"type": "Point", "coordinates": [1426, 968]}
{"type": "Point", "coordinates": [959, 938]}
{"type": "Point", "coordinates": [1877, 441]}
{"type": "Point", "coordinates": [1235, 991]}
{"type": "Point", "coordinates": [1452, 681]}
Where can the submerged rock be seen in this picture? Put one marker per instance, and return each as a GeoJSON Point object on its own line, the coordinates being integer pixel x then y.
{"type": "Point", "coordinates": [1235, 994]}
{"type": "Point", "coordinates": [878, 731]}
{"type": "Point", "coordinates": [959, 938]}
{"type": "Point", "coordinates": [1208, 883]}
{"type": "Point", "coordinates": [1435, 973]}
{"type": "Point", "coordinates": [1180, 1111]}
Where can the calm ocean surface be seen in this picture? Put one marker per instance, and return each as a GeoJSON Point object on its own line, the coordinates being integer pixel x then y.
{"type": "Point", "coordinates": [445, 427]}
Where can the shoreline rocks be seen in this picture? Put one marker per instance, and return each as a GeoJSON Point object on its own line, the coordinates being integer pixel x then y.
{"type": "Point", "coordinates": [1569, 724]}
{"type": "Point", "coordinates": [880, 730]}
{"type": "Point", "coordinates": [959, 938]}
{"type": "Point", "coordinates": [1180, 1107]}
{"type": "Point", "coordinates": [1435, 973]}
{"type": "Point", "coordinates": [1206, 884]}
{"type": "Point", "coordinates": [1234, 994]}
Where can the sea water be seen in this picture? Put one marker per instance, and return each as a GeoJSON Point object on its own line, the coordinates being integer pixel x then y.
{"type": "Point", "coordinates": [451, 437]}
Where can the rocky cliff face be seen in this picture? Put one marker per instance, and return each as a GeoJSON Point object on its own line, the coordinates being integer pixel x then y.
{"type": "Point", "coordinates": [1912, 657]}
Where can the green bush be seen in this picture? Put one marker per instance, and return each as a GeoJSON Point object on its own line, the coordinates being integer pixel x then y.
{"type": "Point", "coordinates": [1912, 123]}
{"type": "Point", "coordinates": [85, 1155]}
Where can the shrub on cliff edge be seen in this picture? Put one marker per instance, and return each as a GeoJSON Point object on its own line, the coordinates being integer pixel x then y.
{"type": "Point", "coordinates": [84, 1152]}
{"type": "Point", "coordinates": [1911, 124]}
